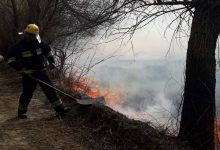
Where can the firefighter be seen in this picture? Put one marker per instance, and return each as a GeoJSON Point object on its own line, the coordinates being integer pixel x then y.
{"type": "Point", "coordinates": [30, 56]}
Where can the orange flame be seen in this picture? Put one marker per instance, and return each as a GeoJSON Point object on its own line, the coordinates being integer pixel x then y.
{"type": "Point", "coordinates": [217, 131]}
{"type": "Point", "coordinates": [91, 88]}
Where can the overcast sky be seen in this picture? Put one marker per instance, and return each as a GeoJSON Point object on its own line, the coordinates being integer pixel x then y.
{"type": "Point", "coordinates": [147, 43]}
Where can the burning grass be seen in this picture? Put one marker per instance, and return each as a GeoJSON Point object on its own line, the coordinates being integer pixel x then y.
{"type": "Point", "coordinates": [112, 130]}
{"type": "Point", "coordinates": [101, 128]}
{"type": "Point", "coordinates": [92, 89]}
{"type": "Point", "coordinates": [108, 129]}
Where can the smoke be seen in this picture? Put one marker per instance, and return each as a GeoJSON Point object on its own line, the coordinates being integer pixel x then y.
{"type": "Point", "coordinates": [152, 89]}
{"type": "Point", "coordinates": [149, 86]}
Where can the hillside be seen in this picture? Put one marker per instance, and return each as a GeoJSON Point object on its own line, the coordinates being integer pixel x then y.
{"type": "Point", "coordinates": [91, 127]}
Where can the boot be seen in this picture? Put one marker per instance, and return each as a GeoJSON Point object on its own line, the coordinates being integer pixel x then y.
{"type": "Point", "coordinates": [22, 116]}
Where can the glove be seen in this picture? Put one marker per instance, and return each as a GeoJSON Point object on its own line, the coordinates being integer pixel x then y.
{"type": "Point", "coordinates": [51, 66]}
{"type": "Point", "coordinates": [1, 58]}
{"type": "Point", "coordinates": [24, 72]}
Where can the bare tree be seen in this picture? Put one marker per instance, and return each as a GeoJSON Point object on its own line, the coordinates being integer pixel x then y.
{"type": "Point", "coordinates": [63, 23]}
{"type": "Point", "coordinates": [57, 18]}
{"type": "Point", "coordinates": [63, 18]}
{"type": "Point", "coordinates": [203, 17]}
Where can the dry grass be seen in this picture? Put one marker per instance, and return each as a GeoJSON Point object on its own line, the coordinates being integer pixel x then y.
{"type": "Point", "coordinates": [85, 127]}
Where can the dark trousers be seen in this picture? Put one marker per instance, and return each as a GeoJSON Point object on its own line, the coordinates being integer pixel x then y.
{"type": "Point", "coordinates": [29, 86]}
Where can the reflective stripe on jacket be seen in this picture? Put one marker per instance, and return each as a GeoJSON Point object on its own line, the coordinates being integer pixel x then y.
{"type": "Point", "coordinates": [30, 56]}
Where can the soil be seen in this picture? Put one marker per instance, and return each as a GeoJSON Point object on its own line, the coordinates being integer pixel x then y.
{"type": "Point", "coordinates": [42, 130]}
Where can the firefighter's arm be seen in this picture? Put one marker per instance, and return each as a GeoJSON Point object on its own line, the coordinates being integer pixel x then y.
{"type": "Point", "coordinates": [12, 60]}
{"type": "Point", "coordinates": [48, 54]}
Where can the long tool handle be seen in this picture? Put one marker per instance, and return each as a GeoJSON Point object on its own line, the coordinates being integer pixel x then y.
{"type": "Point", "coordinates": [79, 101]}
{"type": "Point", "coordinates": [40, 81]}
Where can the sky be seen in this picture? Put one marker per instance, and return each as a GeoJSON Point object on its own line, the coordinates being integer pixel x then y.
{"type": "Point", "coordinates": [150, 42]}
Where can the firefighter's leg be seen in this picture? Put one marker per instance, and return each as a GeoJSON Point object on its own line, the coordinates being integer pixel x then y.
{"type": "Point", "coordinates": [51, 94]}
{"type": "Point", "coordinates": [29, 85]}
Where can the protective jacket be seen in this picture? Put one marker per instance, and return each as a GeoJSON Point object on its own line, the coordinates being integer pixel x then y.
{"type": "Point", "coordinates": [28, 57]}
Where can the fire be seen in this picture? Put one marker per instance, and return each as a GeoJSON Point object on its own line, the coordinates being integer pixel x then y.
{"type": "Point", "coordinates": [217, 131]}
{"type": "Point", "coordinates": [91, 88]}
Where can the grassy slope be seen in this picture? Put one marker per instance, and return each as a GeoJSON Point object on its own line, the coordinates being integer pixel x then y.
{"type": "Point", "coordinates": [91, 127]}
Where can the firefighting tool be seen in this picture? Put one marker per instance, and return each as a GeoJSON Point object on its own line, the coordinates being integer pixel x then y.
{"type": "Point", "coordinates": [84, 101]}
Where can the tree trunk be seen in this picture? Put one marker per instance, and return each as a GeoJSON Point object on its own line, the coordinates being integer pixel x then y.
{"type": "Point", "coordinates": [198, 114]}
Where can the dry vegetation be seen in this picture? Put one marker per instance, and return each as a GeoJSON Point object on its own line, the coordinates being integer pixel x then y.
{"type": "Point", "coordinates": [85, 127]}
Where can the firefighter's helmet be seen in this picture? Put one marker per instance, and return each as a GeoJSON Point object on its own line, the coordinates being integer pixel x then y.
{"type": "Point", "coordinates": [32, 29]}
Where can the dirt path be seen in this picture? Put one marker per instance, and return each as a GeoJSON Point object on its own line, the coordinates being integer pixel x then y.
{"type": "Point", "coordinates": [42, 130]}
